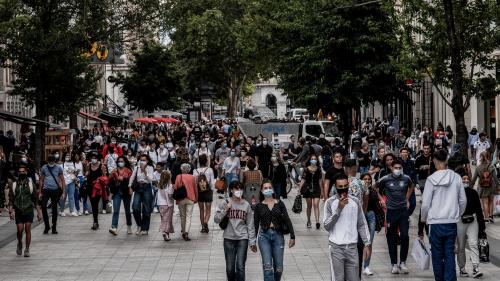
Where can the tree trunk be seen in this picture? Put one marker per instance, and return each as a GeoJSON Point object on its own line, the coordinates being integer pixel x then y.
{"type": "Point", "coordinates": [40, 135]}
{"type": "Point", "coordinates": [234, 97]}
{"type": "Point", "coordinates": [456, 62]}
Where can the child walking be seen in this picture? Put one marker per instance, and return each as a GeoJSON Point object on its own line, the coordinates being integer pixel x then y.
{"type": "Point", "coordinates": [166, 204]}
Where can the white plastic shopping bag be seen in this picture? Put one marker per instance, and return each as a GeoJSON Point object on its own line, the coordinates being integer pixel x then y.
{"type": "Point", "coordinates": [496, 205]}
{"type": "Point", "coordinates": [421, 254]}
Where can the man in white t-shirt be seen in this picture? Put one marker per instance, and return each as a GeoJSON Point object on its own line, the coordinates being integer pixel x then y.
{"type": "Point", "coordinates": [481, 145]}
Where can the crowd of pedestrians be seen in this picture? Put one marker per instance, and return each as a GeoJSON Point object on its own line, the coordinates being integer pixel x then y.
{"type": "Point", "coordinates": [152, 168]}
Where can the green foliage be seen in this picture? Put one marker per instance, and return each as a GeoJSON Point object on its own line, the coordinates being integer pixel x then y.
{"type": "Point", "coordinates": [343, 52]}
{"type": "Point", "coordinates": [154, 81]}
{"type": "Point", "coordinates": [469, 37]}
{"type": "Point", "coordinates": [220, 44]}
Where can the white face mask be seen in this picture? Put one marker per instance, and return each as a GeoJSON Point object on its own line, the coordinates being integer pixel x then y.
{"type": "Point", "coordinates": [238, 193]}
{"type": "Point", "coordinates": [94, 161]}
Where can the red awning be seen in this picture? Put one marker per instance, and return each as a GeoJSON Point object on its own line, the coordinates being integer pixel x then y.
{"type": "Point", "coordinates": [146, 120]}
{"type": "Point", "coordinates": [92, 117]}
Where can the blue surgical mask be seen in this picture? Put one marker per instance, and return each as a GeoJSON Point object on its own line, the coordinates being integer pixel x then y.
{"type": "Point", "coordinates": [397, 173]}
{"type": "Point", "coordinates": [314, 162]}
{"type": "Point", "coordinates": [268, 192]}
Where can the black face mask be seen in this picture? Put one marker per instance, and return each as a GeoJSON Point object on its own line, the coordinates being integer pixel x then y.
{"type": "Point", "coordinates": [22, 176]}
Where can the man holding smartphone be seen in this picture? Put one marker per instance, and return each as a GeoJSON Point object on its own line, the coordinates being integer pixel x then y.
{"type": "Point", "coordinates": [344, 220]}
{"type": "Point", "coordinates": [398, 188]}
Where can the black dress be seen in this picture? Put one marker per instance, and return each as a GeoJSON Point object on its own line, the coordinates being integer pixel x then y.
{"type": "Point", "coordinates": [311, 188]}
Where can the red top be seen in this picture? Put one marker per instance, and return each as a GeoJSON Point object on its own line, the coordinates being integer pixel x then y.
{"type": "Point", "coordinates": [118, 149]}
{"type": "Point", "coordinates": [190, 184]}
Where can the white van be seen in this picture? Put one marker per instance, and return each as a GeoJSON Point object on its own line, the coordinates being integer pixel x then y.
{"type": "Point", "coordinates": [297, 113]}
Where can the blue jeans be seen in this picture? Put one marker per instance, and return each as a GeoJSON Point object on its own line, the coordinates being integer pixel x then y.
{"type": "Point", "coordinates": [230, 178]}
{"type": "Point", "coordinates": [372, 222]}
{"type": "Point", "coordinates": [78, 197]}
{"type": "Point", "coordinates": [442, 238]}
{"type": "Point", "coordinates": [141, 206]}
{"type": "Point", "coordinates": [235, 252]}
{"type": "Point", "coordinates": [117, 201]}
{"type": "Point", "coordinates": [279, 191]}
{"type": "Point", "coordinates": [70, 194]}
{"type": "Point", "coordinates": [272, 248]}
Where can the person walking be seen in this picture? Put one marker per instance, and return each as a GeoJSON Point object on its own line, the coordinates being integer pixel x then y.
{"type": "Point", "coordinates": [186, 205]}
{"type": "Point", "coordinates": [70, 177]}
{"type": "Point", "coordinates": [95, 189]}
{"type": "Point", "coordinates": [470, 226]}
{"type": "Point", "coordinates": [443, 202]}
{"type": "Point", "coordinates": [205, 182]}
{"type": "Point", "coordinates": [277, 175]}
{"type": "Point", "coordinates": [23, 198]}
{"type": "Point", "coordinates": [272, 218]}
{"type": "Point", "coordinates": [398, 188]}
{"type": "Point", "coordinates": [141, 184]}
{"type": "Point", "coordinates": [52, 186]}
{"type": "Point", "coordinates": [166, 204]}
{"type": "Point", "coordinates": [344, 220]}
{"type": "Point", "coordinates": [374, 217]}
{"type": "Point", "coordinates": [239, 231]}
{"type": "Point", "coordinates": [120, 190]}
{"type": "Point", "coordinates": [310, 188]}
{"type": "Point", "coordinates": [487, 185]}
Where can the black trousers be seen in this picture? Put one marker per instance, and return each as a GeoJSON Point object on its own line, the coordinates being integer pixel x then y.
{"type": "Point", "coordinates": [94, 202]}
{"type": "Point", "coordinates": [54, 196]}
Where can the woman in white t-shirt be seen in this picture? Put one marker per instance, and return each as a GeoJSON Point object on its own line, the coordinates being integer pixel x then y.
{"type": "Point", "coordinates": [202, 150]}
{"type": "Point", "coordinates": [70, 173]}
{"type": "Point", "coordinates": [205, 190]}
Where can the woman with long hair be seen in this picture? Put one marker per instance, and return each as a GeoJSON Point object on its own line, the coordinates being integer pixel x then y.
{"type": "Point", "coordinates": [488, 184]}
{"type": "Point", "coordinates": [310, 188]}
{"type": "Point", "coordinates": [141, 180]}
{"type": "Point", "coordinates": [271, 217]}
{"type": "Point", "coordinates": [120, 190]}
{"type": "Point", "coordinates": [204, 180]}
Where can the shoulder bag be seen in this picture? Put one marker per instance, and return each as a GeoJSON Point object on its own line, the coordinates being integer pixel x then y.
{"type": "Point", "coordinates": [59, 188]}
{"type": "Point", "coordinates": [180, 193]}
{"type": "Point", "coordinates": [285, 230]}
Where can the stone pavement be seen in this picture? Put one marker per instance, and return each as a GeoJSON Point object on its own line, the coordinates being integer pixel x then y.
{"type": "Point", "coordinates": [79, 253]}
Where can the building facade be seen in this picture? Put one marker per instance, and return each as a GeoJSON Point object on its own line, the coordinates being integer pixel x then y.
{"type": "Point", "coordinates": [267, 94]}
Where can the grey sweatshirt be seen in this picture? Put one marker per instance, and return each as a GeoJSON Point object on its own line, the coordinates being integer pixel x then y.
{"type": "Point", "coordinates": [444, 198]}
{"type": "Point", "coordinates": [241, 224]}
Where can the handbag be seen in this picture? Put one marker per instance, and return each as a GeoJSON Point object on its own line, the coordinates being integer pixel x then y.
{"type": "Point", "coordinates": [421, 254]}
{"type": "Point", "coordinates": [484, 250]}
{"type": "Point", "coordinates": [297, 204]}
{"type": "Point", "coordinates": [180, 193]}
{"type": "Point", "coordinates": [467, 218]}
{"type": "Point", "coordinates": [284, 229]}
{"type": "Point", "coordinates": [220, 184]}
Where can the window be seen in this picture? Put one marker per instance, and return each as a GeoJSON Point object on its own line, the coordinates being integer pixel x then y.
{"type": "Point", "coordinates": [314, 130]}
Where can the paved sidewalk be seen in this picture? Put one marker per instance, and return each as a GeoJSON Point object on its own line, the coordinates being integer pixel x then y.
{"type": "Point", "coordinates": [79, 253]}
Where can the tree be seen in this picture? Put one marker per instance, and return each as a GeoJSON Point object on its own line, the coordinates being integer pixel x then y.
{"type": "Point", "coordinates": [220, 44]}
{"type": "Point", "coordinates": [43, 41]}
{"type": "Point", "coordinates": [154, 81]}
{"type": "Point", "coordinates": [452, 42]}
{"type": "Point", "coordinates": [341, 53]}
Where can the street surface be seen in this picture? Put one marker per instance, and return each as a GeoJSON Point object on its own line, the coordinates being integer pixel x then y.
{"type": "Point", "coordinates": [78, 253]}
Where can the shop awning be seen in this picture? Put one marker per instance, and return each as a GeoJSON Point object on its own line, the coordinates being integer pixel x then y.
{"type": "Point", "coordinates": [18, 119]}
{"type": "Point", "coordinates": [106, 115]}
{"type": "Point", "coordinates": [92, 117]}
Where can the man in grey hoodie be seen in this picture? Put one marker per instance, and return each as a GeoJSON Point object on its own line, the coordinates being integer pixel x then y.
{"type": "Point", "coordinates": [443, 203]}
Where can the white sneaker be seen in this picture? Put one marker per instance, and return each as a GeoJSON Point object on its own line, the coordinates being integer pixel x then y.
{"type": "Point", "coordinates": [113, 231]}
{"type": "Point", "coordinates": [129, 229]}
{"type": "Point", "coordinates": [403, 269]}
{"type": "Point", "coordinates": [144, 232]}
{"type": "Point", "coordinates": [104, 211]}
{"type": "Point", "coordinates": [156, 210]}
{"type": "Point", "coordinates": [80, 213]}
{"type": "Point", "coordinates": [367, 271]}
{"type": "Point", "coordinates": [138, 231]}
{"type": "Point", "coordinates": [395, 269]}
{"type": "Point", "coordinates": [62, 214]}
{"type": "Point", "coordinates": [73, 214]}
{"type": "Point", "coordinates": [86, 212]}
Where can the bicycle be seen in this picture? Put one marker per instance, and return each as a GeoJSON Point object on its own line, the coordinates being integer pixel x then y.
{"type": "Point", "coordinates": [292, 179]}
